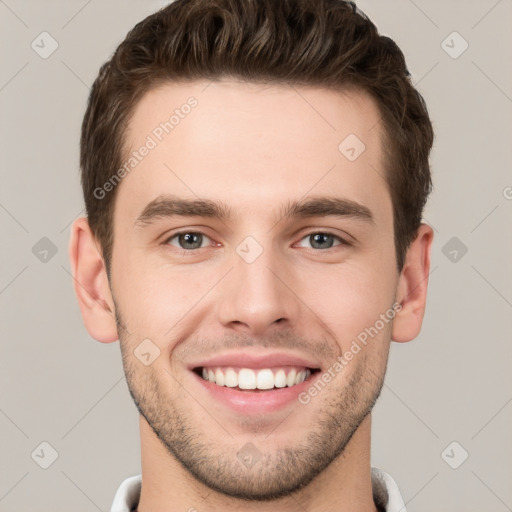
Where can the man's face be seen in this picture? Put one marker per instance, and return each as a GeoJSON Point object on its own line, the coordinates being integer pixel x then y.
{"type": "Point", "coordinates": [299, 288]}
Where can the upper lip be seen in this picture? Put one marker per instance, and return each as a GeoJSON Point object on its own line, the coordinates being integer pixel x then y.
{"type": "Point", "coordinates": [248, 360]}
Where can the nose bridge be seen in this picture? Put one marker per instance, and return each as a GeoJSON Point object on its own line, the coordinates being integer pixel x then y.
{"type": "Point", "coordinates": [255, 295]}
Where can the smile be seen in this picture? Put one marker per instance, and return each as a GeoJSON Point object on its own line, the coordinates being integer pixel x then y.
{"type": "Point", "coordinates": [261, 378]}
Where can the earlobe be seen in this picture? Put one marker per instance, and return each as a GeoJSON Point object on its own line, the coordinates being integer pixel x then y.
{"type": "Point", "coordinates": [412, 287]}
{"type": "Point", "coordinates": [90, 282]}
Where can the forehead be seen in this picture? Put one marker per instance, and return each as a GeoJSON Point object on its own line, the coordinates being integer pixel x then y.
{"type": "Point", "coordinates": [252, 145]}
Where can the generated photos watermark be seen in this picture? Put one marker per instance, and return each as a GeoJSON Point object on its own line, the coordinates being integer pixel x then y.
{"type": "Point", "coordinates": [152, 140]}
{"type": "Point", "coordinates": [355, 347]}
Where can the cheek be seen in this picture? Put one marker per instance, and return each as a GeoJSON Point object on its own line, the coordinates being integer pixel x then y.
{"type": "Point", "coordinates": [139, 293]}
{"type": "Point", "coordinates": [155, 299]}
{"type": "Point", "coordinates": [349, 299]}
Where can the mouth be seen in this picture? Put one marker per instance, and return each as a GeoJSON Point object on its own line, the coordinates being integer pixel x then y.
{"type": "Point", "coordinates": [252, 383]}
{"type": "Point", "coordinates": [255, 379]}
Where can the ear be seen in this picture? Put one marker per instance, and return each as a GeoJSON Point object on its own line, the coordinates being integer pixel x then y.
{"type": "Point", "coordinates": [412, 287]}
{"type": "Point", "coordinates": [90, 282]}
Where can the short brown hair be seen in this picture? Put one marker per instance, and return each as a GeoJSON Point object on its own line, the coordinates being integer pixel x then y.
{"type": "Point", "coordinates": [326, 43]}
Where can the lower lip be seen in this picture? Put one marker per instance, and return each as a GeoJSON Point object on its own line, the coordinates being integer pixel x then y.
{"type": "Point", "coordinates": [256, 401]}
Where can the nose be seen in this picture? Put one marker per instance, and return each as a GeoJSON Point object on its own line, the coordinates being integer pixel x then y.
{"type": "Point", "coordinates": [256, 296]}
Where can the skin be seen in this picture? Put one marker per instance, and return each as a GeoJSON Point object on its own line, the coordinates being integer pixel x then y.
{"type": "Point", "coordinates": [255, 148]}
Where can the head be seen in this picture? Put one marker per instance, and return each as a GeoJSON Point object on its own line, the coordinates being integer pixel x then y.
{"type": "Point", "coordinates": [257, 118]}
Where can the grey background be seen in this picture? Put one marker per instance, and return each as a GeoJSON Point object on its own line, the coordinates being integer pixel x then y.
{"type": "Point", "coordinates": [453, 383]}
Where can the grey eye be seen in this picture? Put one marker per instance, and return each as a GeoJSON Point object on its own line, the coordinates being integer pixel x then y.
{"type": "Point", "coordinates": [188, 240]}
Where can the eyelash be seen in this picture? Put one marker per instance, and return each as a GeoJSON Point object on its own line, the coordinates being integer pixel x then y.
{"type": "Point", "coordinates": [187, 252]}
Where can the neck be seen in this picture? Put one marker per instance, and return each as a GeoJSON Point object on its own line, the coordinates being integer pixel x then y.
{"type": "Point", "coordinates": [343, 486]}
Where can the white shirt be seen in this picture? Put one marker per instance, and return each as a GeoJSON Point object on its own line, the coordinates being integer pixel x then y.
{"type": "Point", "coordinates": [385, 493]}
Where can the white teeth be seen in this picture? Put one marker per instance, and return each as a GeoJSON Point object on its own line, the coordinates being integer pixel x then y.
{"type": "Point", "coordinates": [265, 379]}
{"type": "Point", "coordinates": [280, 379]}
{"type": "Point", "coordinates": [290, 379]}
{"type": "Point", "coordinates": [230, 378]}
{"type": "Point", "coordinates": [219, 377]}
{"type": "Point", "coordinates": [300, 377]}
{"type": "Point", "coordinates": [247, 378]}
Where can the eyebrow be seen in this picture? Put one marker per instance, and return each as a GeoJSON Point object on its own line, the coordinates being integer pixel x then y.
{"type": "Point", "coordinates": [318, 206]}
